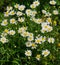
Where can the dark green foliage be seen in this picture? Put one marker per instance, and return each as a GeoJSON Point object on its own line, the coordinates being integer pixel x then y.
{"type": "Point", "coordinates": [3, 4]}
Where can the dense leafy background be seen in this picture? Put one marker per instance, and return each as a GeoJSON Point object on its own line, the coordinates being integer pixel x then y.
{"type": "Point", "coordinates": [10, 55]}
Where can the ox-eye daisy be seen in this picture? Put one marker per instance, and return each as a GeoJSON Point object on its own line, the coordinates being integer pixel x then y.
{"type": "Point", "coordinates": [21, 19]}
{"type": "Point", "coordinates": [33, 6]}
{"type": "Point", "coordinates": [22, 29]}
{"type": "Point", "coordinates": [30, 38]}
{"type": "Point", "coordinates": [28, 44]}
{"type": "Point", "coordinates": [24, 34]}
{"type": "Point", "coordinates": [11, 32]}
{"type": "Point", "coordinates": [12, 12]}
{"type": "Point", "coordinates": [36, 3]}
{"type": "Point", "coordinates": [28, 12]}
{"type": "Point", "coordinates": [38, 56]}
{"type": "Point", "coordinates": [21, 7]}
{"type": "Point", "coordinates": [28, 52]}
{"type": "Point", "coordinates": [3, 40]}
{"type": "Point", "coordinates": [33, 46]}
{"type": "Point", "coordinates": [9, 8]}
{"type": "Point", "coordinates": [45, 52]}
{"type": "Point", "coordinates": [38, 40]}
{"type": "Point", "coordinates": [52, 2]}
{"type": "Point", "coordinates": [51, 40]}
{"type": "Point", "coordinates": [19, 13]}
{"type": "Point", "coordinates": [16, 6]}
{"type": "Point", "coordinates": [6, 14]}
{"type": "Point", "coordinates": [4, 22]}
{"type": "Point", "coordinates": [12, 21]}
{"type": "Point", "coordinates": [55, 12]}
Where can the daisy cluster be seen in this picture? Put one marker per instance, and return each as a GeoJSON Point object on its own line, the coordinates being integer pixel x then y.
{"type": "Point", "coordinates": [15, 24]}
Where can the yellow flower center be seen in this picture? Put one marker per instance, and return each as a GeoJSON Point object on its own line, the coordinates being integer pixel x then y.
{"type": "Point", "coordinates": [6, 30]}
{"type": "Point", "coordinates": [6, 13]}
{"type": "Point", "coordinates": [33, 45]}
{"type": "Point", "coordinates": [45, 53]}
{"type": "Point", "coordinates": [38, 41]}
{"type": "Point", "coordinates": [5, 22]}
{"type": "Point", "coordinates": [13, 21]}
{"type": "Point", "coordinates": [38, 56]}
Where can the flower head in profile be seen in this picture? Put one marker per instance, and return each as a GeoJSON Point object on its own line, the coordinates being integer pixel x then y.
{"type": "Point", "coordinates": [9, 8]}
{"type": "Point", "coordinates": [52, 2]}
{"type": "Point", "coordinates": [16, 5]}
{"type": "Point", "coordinates": [33, 6]}
{"type": "Point", "coordinates": [55, 12]}
{"type": "Point", "coordinates": [12, 12]}
{"type": "Point", "coordinates": [21, 19]}
{"type": "Point", "coordinates": [38, 56]}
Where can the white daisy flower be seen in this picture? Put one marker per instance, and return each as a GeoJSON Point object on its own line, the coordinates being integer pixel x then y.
{"type": "Point", "coordinates": [28, 52]}
{"type": "Point", "coordinates": [24, 34]}
{"type": "Point", "coordinates": [38, 21]}
{"type": "Point", "coordinates": [11, 32]}
{"type": "Point", "coordinates": [3, 40]}
{"type": "Point", "coordinates": [21, 7]}
{"type": "Point", "coordinates": [12, 12]}
{"type": "Point", "coordinates": [51, 40]}
{"type": "Point", "coordinates": [3, 34]}
{"type": "Point", "coordinates": [33, 6]}
{"type": "Point", "coordinates": [43, 38]}
{"type": "Point", "coordinates": [28, 44]}
{"type": "Point", "coordinates": [44, 11]}
{"type": "Point", "coordinates": [46, 27]}
{"type": "Point", "coordinates": [21, 19]}
{"type": "Point", "coordinates": [50, 28]}
{"type": "Point", "coordinates": [19, 13]}
{"type": "Point", "coordinates": [16, 5]}
{"type": "Point", "coordinates": [4, 22]}
{"type": "Point", "coordinates": [9, 8]}
{"type": "Point", "coordinates": [30, 38]}
{"type": "Point", "coordinates": [38, 40]}
{"type": "Point", "coordinates": [30, 34]}
{"type": "Point", "coordinates": [38, 56]}
{"type": "Point", "coordinates": [43, 31]}
{"type": "Point", "coordinates": [55, 12]}
{"type": "Point", "coordinates": [12, 21]}
{"type": "Point", "coordinates": [22, 29]}
{"type": "Point", "coordinates": [52, 2]}
{"type": "Point", "coordinates": [28, 12]}
{"type": "Point", "coordinates": [33, 46]}
{"type": "Point", "coordinates": [36, 3]}
{"type": "Point", "coordinates": [45, 52]}
{"type": "Point", "coordinates": [33, 13]}
{"type": "Point", "coordinates": [49, 20]}
{"type": "Point", "coordinates": [6, 14]}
